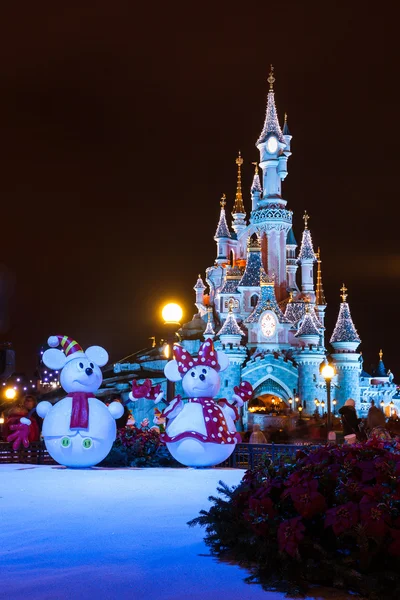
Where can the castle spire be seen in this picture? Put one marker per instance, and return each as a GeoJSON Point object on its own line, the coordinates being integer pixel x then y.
{"type": "Point", "coordinates": [285, 126]}
{"type": "Point", "coordinates": [256, 185]}
{"type": "Point", "coordinates": [380, 371]}
{"type": "Point", "coordinates": [306, 248]}
{"type": "Point", "coordinates": [238, 206]}
{"type": "Point", "coordinates": [345, 330]}
{"type": "Point", "coordinates": [271, 123]}
{"type": "Point", "coordinates": [319, 290]}
{"type": "Point", "coordinates": [222, 229]}
{"type": "Point", "coordinates": [209, 332]}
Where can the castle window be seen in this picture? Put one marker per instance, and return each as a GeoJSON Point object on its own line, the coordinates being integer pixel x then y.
{"type": "Point", "coordinates": [253, 300]}
{"type": "Point", "coordinates": [226, 382]}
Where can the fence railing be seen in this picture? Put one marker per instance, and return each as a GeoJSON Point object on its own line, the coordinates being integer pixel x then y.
{"type": "Point", "coordinates": [36, 454]}
{"type": "Point", "coordinates": [248, 456]}
{"type": "Point", "coordinates": [245, 456]}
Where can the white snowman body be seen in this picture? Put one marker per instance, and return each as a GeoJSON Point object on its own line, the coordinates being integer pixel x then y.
{"type": "Point", "coordinates": [79, 447]}
{"type": "Point", "coordinates": [202, 382]}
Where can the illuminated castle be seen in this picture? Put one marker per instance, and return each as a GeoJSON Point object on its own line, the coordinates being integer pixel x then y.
{"type": "Point", "coordinates": [265, 303]}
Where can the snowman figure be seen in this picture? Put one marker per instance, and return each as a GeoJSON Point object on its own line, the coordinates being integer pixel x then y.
{"type": "Point", "coordinates": [79, 430]}
{"type": "Point", "coordinates": [201, 432]}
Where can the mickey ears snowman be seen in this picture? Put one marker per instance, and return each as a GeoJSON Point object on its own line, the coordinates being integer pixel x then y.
{"type": "Point", "coordinates": [176, 369]}
{"type": "Point", "coordinates": [57, 359]}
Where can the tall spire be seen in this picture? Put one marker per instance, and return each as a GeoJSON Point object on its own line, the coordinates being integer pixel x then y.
{"type": "Point", "coordinates": [345, 330]}
{"type": "Point", "coordinates": [271, 123]}
{"type": "Point", "coordinates": [306, 249]}
{"type": "Point", "coordinates": [222, 229]}
{"type": "Point", "coordinates": [230, 327]}
{"type": "Point", "coordinates": [238, 206]}
{"type": "Point", "coordinates": [251, 275]}
{"type": "Point", "coordinates": [319, 290]}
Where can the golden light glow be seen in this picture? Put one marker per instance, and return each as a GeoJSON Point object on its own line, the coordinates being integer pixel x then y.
{"type": "Point", "coordinates": [327, 372]}
{"type": "Point", "coordinates": [172, 313]}
{"type": "Point", "coordinates": [1, 419]}
{"type": "Point", "coordinates": [166, 351]}
{"type": "Point", "coordinates": [10, 393]}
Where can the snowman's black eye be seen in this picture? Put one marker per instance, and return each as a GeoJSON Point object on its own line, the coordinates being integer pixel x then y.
{"type": "Point", "coordinates": [193, 374]}
{"type": "Point", "coordinates": [91, 365]}
{"type": "Point", "coordinates": [81, 365]}
{"type": "Point", "coordinates": [204, 371]}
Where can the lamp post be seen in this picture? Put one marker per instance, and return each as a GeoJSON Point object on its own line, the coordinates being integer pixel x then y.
{"type": "Point", "coordinates": [290, 404]}
{"type": "Point", "coordinates": [382, 405]}
{"type": "Point", "coordinates": [300, 409]}
{"type": "Point", "coordinates": [172, 314]}
{"type": "Point", "coordinates": [327, 373]}
{"type": "Point", "coordinates": [334, 406]}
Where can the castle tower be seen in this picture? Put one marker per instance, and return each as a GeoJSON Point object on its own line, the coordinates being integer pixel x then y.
{"type": "Point", "coordinates": [222, 235]}
{"type": "Point", "coordinates": [309, 358]}
{"type": "Point", "coordinates": [345, 341]}
{"type": "Point", "coordinates": [238, 213]}
{"type": "Point", "coordinates": [270, 218]}
{"type": "Point", "coordinates": [306, 260]}
{"type": "Point", "coordinates": [249, 284]}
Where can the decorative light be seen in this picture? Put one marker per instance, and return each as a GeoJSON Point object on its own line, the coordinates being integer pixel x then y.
{"type": "Point", "coordinates": [300, 408]}
{"type": "Point", "coordinates": [296, 399]}
{"type": "Point", "coordinates": [10, 393]}
{"type": "Point", "coordinates": [327, 371]}
{"type": "Point", "coordinates": [172, 313]}
{"type": "Point", "coordinates": [1, 419]}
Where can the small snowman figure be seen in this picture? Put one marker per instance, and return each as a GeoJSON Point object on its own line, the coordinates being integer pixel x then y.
{"type": "Point", "coordinates": [202, 432]}
{"type": "Point", "coordinates": [79, 430]}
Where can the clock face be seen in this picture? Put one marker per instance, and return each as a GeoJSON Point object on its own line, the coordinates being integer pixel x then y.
{"type": "Point", "coordinates": [268, 324]}
{"type": "Point", "coordinates": [272, 145]}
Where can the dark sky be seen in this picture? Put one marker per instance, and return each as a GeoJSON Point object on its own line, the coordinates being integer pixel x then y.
{"type": "Point", "coordinates": [119, 127]}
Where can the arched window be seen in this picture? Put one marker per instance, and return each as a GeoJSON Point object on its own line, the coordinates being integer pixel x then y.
{"type": "Point", "coordinates": [231, 302]}
{"type": "Point", "coordinates": [253, 300]}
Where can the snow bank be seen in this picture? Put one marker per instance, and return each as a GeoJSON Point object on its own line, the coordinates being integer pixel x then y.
{"type": "Point", "coordinates": [103, 534]}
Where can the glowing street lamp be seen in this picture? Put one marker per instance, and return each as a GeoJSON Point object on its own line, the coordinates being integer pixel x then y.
{"type": "Point", "coordinates": [334, 402]}
{"type": "Point", "coordinates": [172, 315]}
{"type": "Point", "coordinates": [290, 404]}
{"type": "Point", "coordinates": [300, 409]}
{"type": "Point", "coordinates": [10, 393]}
{"type": "Point", "coordinates": [382, 405]}
{"type": "Point", "coordinates": [327, 373]}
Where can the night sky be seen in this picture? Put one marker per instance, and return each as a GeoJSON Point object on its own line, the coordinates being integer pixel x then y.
{"type": "Point", "coordinates": [119, 129]}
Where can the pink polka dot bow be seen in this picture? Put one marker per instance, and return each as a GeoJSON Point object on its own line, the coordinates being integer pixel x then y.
{"type": "Point", "coordinates": [207, 357]}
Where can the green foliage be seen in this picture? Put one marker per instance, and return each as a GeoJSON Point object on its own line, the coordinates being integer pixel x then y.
{"type": "Point", "coordinates": [329, 517]}
{"type": "Point", "coordinates": [139, 447]}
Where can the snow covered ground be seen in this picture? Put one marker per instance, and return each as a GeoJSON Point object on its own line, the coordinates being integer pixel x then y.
{"type": "Point", "coordinates": [105, 534]}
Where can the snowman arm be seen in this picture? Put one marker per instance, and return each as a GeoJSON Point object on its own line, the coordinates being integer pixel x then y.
{"type": "Point", "coordinates": [174, 408]}
{"type": "Point", "coordinates": [159, 398]}
{"type": "Point", "coordinates": [237, 400]}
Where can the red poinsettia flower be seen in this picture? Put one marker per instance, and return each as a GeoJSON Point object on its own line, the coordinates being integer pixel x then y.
{"type": "Point", "coordinates": [373, 516]}
{"type": "Point", "coordinates": [290, 533]}
{"type": "Point", "coordinates": [262, 506]}
{"type": "Point", "coordinates": [306, 498]}
{"type": "Point", "coordinates": [394, 547]}
{"type": "Point", "coordinates": [342, 518]}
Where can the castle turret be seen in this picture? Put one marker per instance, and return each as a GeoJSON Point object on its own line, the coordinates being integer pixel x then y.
{"type": "Point", "coordinates": [222, 235]}
{"type": "Point", "coordinates": [230, 332]}
{"type": "Point", "coordinates": [255, 190]}
{"type": "Point", "coordinates": [199, 289]}
{"type": "Point", "coordinates": [306, 260]}
{"type": "Point", "coordinates": [238, 213]}
{"type": "Point", "coordinates": [345, 341]}
{"type": "Point", "coordinates": [308, 332]}
{"type": "Point", "coordinates": [249, 284]}
{"type": "Point", "coordinates": [291, 262]}
{"type": "Point", "coordinates": [209, 333]}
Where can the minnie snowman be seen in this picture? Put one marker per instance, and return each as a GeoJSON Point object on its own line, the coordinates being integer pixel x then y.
{"type": "Point", "coordinates": [201, 432]}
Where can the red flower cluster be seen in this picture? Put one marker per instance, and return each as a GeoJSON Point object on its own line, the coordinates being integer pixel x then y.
{"type": "Point", "coordinates": [141, 441]}
{"type": "Point", "coordinates": [337, 497]}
